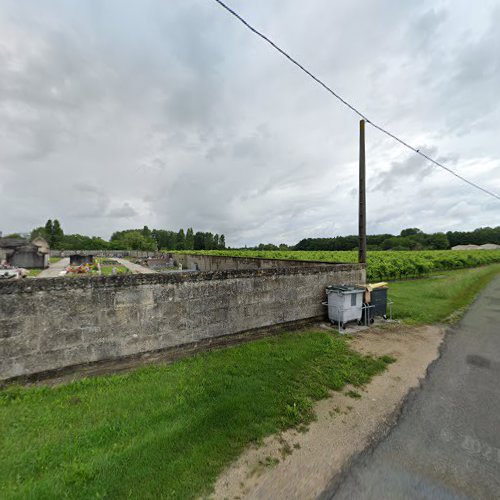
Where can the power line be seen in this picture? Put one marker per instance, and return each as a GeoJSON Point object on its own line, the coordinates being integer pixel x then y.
{"type": "Point", "coordinates": [350, 106]}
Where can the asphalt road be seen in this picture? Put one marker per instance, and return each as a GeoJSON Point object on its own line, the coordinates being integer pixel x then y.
{"type": "Point", "coordinates": [446, 443]}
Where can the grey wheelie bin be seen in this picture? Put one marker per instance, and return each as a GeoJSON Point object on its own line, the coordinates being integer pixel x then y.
{"type": "Point", "coordinates": [345, 303]}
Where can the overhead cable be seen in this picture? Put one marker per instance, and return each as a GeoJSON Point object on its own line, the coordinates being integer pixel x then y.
{"type": "Point", "coordinates": [349, 105]}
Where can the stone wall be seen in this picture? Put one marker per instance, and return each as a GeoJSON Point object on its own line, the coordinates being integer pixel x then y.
{"type": "Point", "coordinates": [226, 263]}
{"type": "Point", "coordinates": [104, 253]}
{"type": "Point", "coordinates": [51, 324]}
{"type": "Point", "coordinates": [29, 259]}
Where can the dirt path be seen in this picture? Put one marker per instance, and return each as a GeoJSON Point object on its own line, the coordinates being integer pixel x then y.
{"type": "Point", "coordinates": [54, 270]}
{"type": "Point", "coordinates": [447, 442]}
{"type": "Point", "coordinates": [301, 465]}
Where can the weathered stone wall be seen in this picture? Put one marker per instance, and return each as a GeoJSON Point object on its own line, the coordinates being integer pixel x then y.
{"type": "Point", "coordinates": [226, 263]}
{"type": "Point", "coordinates": [29, 260]}
{"type": "Point", "coordinates": [104, 253]}
{"type": "Point", "coordinates": [49, 324]}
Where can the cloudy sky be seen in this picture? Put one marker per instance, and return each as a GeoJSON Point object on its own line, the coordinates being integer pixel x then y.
{"type": "Point", "coordinates": [118, 114]}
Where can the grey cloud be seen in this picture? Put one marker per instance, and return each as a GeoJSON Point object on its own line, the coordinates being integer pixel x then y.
{"type": "Point", "coordinates": [125, 211]}
{"type": "Point", "coordinates": [411, 169]}
{"type": "Point", "coordinates": [195, 122]}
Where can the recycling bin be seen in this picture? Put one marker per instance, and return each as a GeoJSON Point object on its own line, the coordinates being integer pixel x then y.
{"type": "Point", "coordinates": [345, 303]}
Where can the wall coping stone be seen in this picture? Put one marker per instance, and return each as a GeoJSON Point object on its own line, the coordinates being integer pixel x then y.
{"type": "Point", "coordinates": [30, 285]}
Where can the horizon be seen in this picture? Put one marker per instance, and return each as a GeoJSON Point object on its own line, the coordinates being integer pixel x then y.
{"type": "Point", "coordinates": [229, 246]}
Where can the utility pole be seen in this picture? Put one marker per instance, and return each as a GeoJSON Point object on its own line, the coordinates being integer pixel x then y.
{"type": "Point", "coordinates": [362, 194]}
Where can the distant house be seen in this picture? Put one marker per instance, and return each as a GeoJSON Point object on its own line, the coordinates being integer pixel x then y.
{"type": "Point", "coordinates": [20, 252]}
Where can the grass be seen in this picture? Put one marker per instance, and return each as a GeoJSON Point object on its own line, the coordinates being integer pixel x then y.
{"type": "Point", "coordinates": [53, 260]}
{"type": "Point", "coordinates": [108, 264]}
{"type": "Point", "coordinates": [108, 270]}
{"type": "Point", "coordinates": [167, 430]}
{"type": "Point", "coordinates": [440, 298]}
{"type": "Point", "coordinates": [32, 273]}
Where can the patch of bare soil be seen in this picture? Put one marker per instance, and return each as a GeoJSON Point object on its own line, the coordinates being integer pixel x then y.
{"type": "Point", "coordinates": [300, 465]}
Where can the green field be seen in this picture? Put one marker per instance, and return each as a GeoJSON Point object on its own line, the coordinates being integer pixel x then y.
{"type": "Point", "coordinates": [440, 299]}
{"type": "Point", "coordinates": [382, 265]}
{"type": "Point", "coordinates": [167, 431]}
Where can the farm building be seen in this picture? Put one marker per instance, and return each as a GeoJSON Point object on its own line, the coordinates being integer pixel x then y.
{"type": "Point", "coordinates": [19, 252]}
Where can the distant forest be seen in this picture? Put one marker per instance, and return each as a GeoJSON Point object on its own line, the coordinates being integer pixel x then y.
{"type": "Point", "coordinates": [408, 239]}
{"type": "Point", "coordinates": [162, 239]}
{"type": "Point", "coordinates": [131, 239]}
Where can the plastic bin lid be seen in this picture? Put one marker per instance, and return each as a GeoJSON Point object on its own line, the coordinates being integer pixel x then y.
{"type": "Point", "coordinates": [344, 289]}
{"type": "Point", "coordinates": [373, 286]}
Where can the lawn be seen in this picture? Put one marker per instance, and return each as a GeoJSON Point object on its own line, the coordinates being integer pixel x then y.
{"type": "Point", "coordinates": [440, 298]}
{"type": "Point", "coordinates": [53, 260]}
{"type": "Point", "coordinates": [33, 273]}
{"type": "Point", "coordinates": [167, 431]}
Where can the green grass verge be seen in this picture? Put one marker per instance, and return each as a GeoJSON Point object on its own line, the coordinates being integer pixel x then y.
{"type": "Point", "coordinates": [53, 260]}
{"type": "Point", "coordinates": [34, 272]}
{"type": "Point", "coordinates": [167, 431]}
{"type": "Point", "coordinates": [440, 298]}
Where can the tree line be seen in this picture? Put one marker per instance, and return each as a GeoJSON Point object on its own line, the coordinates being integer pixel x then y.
{"type": "Point", "coordinates": [160, 239]}
{"type": "Point", "coordinates": [408, 239]}
{"type": "Point", "coordinates": [143, 239]}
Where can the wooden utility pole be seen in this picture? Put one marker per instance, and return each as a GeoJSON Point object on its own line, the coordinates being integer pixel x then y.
{"type": "Point", "coordinates": [362, 195]}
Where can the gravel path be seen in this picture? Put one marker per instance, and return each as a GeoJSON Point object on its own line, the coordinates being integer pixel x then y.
{"type": "Point", "coordinates": [135, 268]}
{"type": "Point", "coordinates": [54, 270]}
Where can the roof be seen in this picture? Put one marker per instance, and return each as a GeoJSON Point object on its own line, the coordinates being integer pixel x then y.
{"type": "Point", "coordinates": [13, 242]}
{"type": "Point", "coordinates": [22, 245]}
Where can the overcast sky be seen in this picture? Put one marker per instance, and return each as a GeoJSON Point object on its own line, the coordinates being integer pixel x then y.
{"type": "Point", "coordinates": [116, 114]}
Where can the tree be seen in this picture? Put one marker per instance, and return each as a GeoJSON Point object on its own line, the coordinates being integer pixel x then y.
{"type": "Point", "coordinates": [189, 239]}
{"type": "Point", "coordinates": [181, 240]}
{"type": "Point", "coordinates": [48, 230]}
{"type": "Point", "coordinates": [438, 241]}
{"type": "Point", "coordinates": [133, 240]}
{"type": "Point", "coordinates": [146, 232]}
{"type": "Point", "coordinates": [199, 241]}
{"type": "Point", "coordinates": [222, 241]}
{"type": "Point", "coordinates": [57, 235]}
{"type": "Point", "coordinates": [411, 231]}
{"type": "Point", "coordinates": [38, 231]}
{"type": "Point", "coordinates": [209, 241]}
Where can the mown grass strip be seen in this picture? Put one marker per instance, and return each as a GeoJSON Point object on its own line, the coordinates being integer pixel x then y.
{"type": "Point", "coordinates": [441, 298]}
{"type": "Point", "coordinates": [167, 431]}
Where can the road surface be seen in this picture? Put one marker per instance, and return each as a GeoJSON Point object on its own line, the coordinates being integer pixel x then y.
{"type": "Point", "coordinates": [447, 442]}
